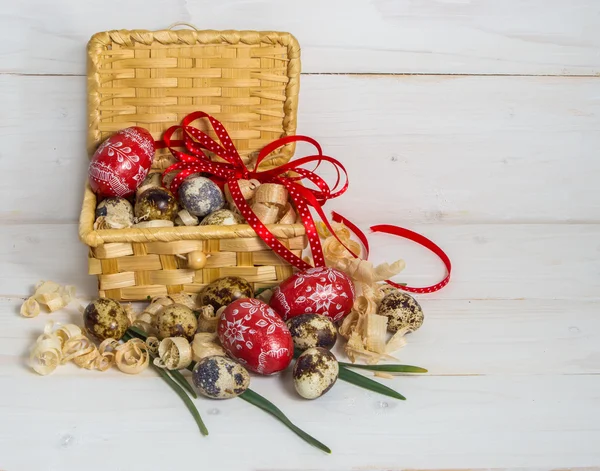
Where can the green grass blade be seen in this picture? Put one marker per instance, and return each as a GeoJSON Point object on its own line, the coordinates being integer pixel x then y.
{"type": "Point", "coordinates": [256, 400]}
{"type": "Point", "coordinates": [185, 384]}
{"type": "Point", "coordinates": [386, 368]}
{"type": "Point", "coordinates": [185, 398]}
{"type": "Point", "coordinates": [262, 403]}
{"type": "Point", "coordinates": [367, 383]}
{"type": "Point", "coordinates": [134, 332]}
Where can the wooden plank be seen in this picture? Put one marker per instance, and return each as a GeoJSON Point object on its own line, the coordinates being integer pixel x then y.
{"type": "Point", "coordinates": [339, 36]}
{"type": "Point", "coordinates": [503, 413]}
{"type": "Point", "coordinates": [491, 261]}
{"type": "Point", "coordinates": [417, 149]}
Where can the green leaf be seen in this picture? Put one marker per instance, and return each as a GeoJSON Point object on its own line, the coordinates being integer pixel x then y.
{"type": "Point", "coordinates": [367, 383]}
{"type": "Point", "coordinates": [262, 403]}
{"type": "Point", "coordinates": [134, 332]}
{"type": "Point", "coordinates": [185, 398]}
{"type": "Point", "coordinates": [177, 376]}
{"type": "Point", "coordinates": [255, 399]}
{"type": "Point", "coordinates": [386, 368]}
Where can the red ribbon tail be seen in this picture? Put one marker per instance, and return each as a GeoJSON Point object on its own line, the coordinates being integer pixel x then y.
{"type": "Point", "coordinates": [406, 234]}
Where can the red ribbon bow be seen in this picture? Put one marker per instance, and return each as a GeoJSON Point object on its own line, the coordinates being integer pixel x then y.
{"type": "Point", "coordinates": [233, 169]}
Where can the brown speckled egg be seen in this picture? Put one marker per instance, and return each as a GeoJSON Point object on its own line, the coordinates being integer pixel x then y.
{"type": "Point", "coordinates": [220, 377]}
{"type": "Point", "coordinates": [156, 203]}
{"type": "Point", "coordinates": [105, 318]}
{"type": "Point", "coordinates": [222, 217]}
{"type": "Point", "coordinates": [402, 310]}
{"type": "Point", "coordinates": [312, 330]}
{"type": "Point", "coordinates": [224, 291]}
{"type": "Point", "coordinates": [176, 320]}
{"type": "Point", "coordinates": [116, 211]}
{"type": "Point", "coordinates": [315, 372]}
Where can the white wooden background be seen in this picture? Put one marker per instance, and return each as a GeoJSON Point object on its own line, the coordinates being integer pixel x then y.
{"type": "Point", "coordinates": [476, 123]}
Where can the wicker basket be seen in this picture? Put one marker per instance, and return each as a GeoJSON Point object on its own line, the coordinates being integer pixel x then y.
{"type": "Point", "coordinates": [246, 79]}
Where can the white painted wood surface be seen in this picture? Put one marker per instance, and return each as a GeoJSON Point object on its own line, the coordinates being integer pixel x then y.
{"type": "Point", "coordinates": [535, 37]}
{"type": "Point", "coordinates": [500, 170]}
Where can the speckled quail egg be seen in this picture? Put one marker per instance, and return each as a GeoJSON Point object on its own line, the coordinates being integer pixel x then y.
{"type": "Point", "coordinates": [156, 203]}
{"type": "Point", "coordinates": [176, 320]}
{"type": "Point", "coordinates": [200, 196]}
{"type": "Point", "coordinates": [224, 291]}
{"type": "Point", "coordinates": [402, 311]}
{"type": "Point", "coordinates": [312, 330]}
{"type": "Point", "coordinates": [222, 217]}
{"type": "Point", "coordinates": [105, 318]}
{"type": "Point", "coordinates": [315, 372]}
{"type": "Point", "coordinates": [117, 212]}
{"type": "Point", "coordinates": [220, 377]}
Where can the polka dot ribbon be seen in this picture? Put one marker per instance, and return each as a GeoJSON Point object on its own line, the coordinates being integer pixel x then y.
{"type": "Point", "coordinates": [290, 175]}
{"type": "Point", "coordinates": [407, 234]}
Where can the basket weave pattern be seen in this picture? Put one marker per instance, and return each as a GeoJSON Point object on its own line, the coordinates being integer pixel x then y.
{"type": "Point", "coordinates": [249, 81]}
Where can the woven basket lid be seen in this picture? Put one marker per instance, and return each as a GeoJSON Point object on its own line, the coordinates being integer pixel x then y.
{"type": "Point", "coordinates": [248, 80]}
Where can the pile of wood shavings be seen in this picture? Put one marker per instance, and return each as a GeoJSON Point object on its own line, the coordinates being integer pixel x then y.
{"type": "Point", "coordinates": [60, 344]}
{"type": "Point", "coordinates": [364, 330]}
{"type": "Point", "coordinates": [51, 295]}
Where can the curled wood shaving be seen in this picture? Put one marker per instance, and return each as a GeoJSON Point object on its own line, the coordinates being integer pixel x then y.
{"type": "Point", "coordinates": [207, 319]}
{"type": "Point", "coordinates": [45, 355]}
{"type": "Point", "coordinates": [129, 312]}
{"type": "Point", "coordinates": [152, 343]}
{"type": "Point", "coordinates": [60, 344]}
{"type": "Point", "coordinates": [183, 298]}
{"type": "Point", "coordinates": [146, 322]}
{"type": "Point", "coordinates": [132, 357]}
{"type": "Point", "coordinates": [112, 222]}
{"type": "Point", "coordinates": [333, 249]}
{"type": "Point", "coordinates": [384, 374]}
{"type": "Point", "coordinates": [51, 295]}
{"type": "Point", "coordinates": [174, 353]}
{"type": "Point", "coordinates": [157, 304]}
{"type": "Point", "coordinates": [247, 188]}
{"type": "Point", "coordinates": [376, 333]}
{"type": "Point", "coordinates": [106, 354]}
{"type": "Point", "coordinates": [206, 344]}
{"type": "Point", "coordinates": [186, 218]}
{"type": "Point", "coordinates": [30, 308]}
{"type": "Point", "coordinates": [397, 341]}
{"type": "Point", "coordinates": [64, 332]}
{"type": "Point", "coordinates": [348, 325]}
{"type": "Point", "coordinates": [81, 350]}
{"type": "Point", "coordinates": [365, 305]}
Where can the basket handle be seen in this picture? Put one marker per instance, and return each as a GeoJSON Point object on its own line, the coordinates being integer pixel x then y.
{"type": "Point", "coordinates": [182, 23]}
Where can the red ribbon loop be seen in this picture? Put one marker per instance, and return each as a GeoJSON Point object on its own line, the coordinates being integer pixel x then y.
{"type": "Point", "coordinates": [233, 169]}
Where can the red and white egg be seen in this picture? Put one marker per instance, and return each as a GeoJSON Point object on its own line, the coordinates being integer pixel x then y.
{"type": "Point", "coordinates": [320, 290]}
{"type": "Point", "coordinates": [252, 333]}
{"type": "Point", "coordinates": [122, 162]}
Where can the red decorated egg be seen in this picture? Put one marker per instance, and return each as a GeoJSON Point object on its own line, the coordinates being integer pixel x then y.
{"type": "Point", "coordinates": [121, 162]}
{"type": "Point", "coordinates": [252, 333]}
{"type": "Point", "coordinates": [318, 290]}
